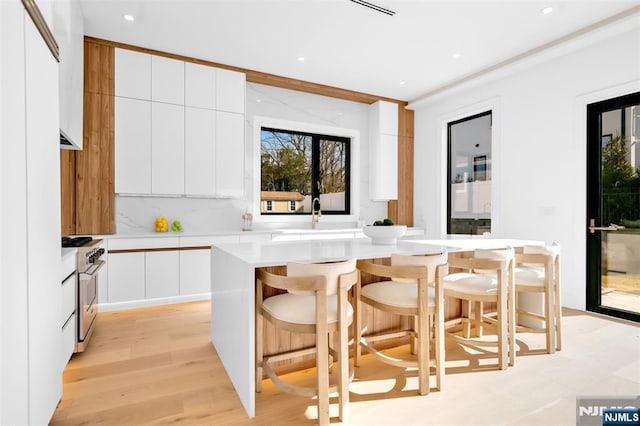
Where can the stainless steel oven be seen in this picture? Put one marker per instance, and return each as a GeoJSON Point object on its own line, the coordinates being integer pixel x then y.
{"type": "Point", "coordinates": [89, 264]}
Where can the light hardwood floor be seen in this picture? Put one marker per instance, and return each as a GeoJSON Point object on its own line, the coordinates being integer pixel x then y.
{"type": "Point", "coordinates": [157, 366]}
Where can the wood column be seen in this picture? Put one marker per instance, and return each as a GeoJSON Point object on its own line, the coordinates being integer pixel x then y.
{"type": "Point", "coordinates": [68, 191]}
{"type": "Point", "coordinates": [401, 210]}
{"type": "Point", "coordinates": [95, 165]}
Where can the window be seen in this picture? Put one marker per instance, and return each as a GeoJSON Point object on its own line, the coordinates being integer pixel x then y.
{"type": "Point", "coordinates": [469, 184]}
{"type": "Point", "coordinates": [298, 167]}
{"type": "Point", "coordinates": [269, 205]}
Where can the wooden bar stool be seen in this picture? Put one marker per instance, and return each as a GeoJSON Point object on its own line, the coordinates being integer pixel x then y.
{"type": "Point", "coordinates": [489, 278]}
{"type": "Point", "coordinates": [538, 271]}
{"type": "Point", "coordinates": [315, 302]}
{"type": "Point", "coordinates": [413, 287]}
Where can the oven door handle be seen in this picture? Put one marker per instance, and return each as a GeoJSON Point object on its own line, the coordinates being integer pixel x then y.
{"type": "Point", "coordinates": [93, 269]}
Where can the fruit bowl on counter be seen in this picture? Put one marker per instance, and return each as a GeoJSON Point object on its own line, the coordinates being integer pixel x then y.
{"type": "Point", "coordinates": [384, 232]}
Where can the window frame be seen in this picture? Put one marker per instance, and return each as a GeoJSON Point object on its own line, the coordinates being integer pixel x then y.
{"type": "Point", "coordinates": [448, 177]}
{"type": "Point", "coordinates": [354, 133]}
{"type": "Point", "coordinates": [316, 138]}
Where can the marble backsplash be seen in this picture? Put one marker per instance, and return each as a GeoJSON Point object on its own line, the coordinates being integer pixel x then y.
{"type": "Point", "coordinates": [137, 214]}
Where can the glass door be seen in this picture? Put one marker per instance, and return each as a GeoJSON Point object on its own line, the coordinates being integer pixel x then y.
{"type": "Point", "coordinates": [469, 175]}
{"type": "Point", "coordinates": [613, 207]}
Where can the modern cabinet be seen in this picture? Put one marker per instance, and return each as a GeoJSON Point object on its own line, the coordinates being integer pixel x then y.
{"type": "Point", "coordinates": [30, 304]}
{"type": "Point", "coordinates": [167, 149]}
{"type": "Point", "coordinates": [132, 74]}
{"type": "Point", "coordinates": [68, 307]}
{"type": "Point", "coordinates": [132, 146]}
{"type": "Point", "coordinates": [162, 274]}
{"type": "Point", "coordinates": [230, 91]}
{"type": "Point", "coordinates": [199, 86]}
{"type": "Point", "coordinates": [229, 162]}
{"type": "Point", "coordinates": [167, 80]}
{"type": "Point", "coordinates": [192, 142]}
{"type": "Point", "coordinates": [195, 271]}
{"type": "Point", "coordinates": [126, 276]}
{"type": "Point", "coordinates": [383, 154]}
{"type": "Point", "coordinates": [69, 33]}
{"type": "Point", "coordinates": [200, 152]}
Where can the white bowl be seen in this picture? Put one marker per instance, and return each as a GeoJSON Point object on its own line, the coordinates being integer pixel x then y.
{"type": "Point", "coordinates": [384, 234]}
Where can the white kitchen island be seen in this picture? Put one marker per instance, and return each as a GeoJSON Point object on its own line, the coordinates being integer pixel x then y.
{"type": "Point", "coordinates": [233, 288]}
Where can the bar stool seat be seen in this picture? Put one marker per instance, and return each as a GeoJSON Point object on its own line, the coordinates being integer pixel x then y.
{"type": "Point", "coordinates": [299, 309]}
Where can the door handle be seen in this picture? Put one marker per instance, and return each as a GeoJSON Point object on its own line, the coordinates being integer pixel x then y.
{"type": "Point", "coordinates": [612, 227]}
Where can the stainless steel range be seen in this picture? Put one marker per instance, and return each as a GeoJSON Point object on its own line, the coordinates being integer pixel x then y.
{"type": "Point", "coordinates": [88, 264]}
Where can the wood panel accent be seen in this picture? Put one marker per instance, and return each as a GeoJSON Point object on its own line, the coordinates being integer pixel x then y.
{"type": "Point", "coordinates": [99, 71]}
{"type": "Point", "coordinates": [95, 195]}
{"type": "Point", "coordinates": [261, 77]}
{"type": "Point", "coordinates": [404, 207]}
{"type": "Point", "coordinates": [68, 191]}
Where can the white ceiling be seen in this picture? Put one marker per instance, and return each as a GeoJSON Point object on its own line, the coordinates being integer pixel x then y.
{"type": "Point", "coordinates": [344, 44]}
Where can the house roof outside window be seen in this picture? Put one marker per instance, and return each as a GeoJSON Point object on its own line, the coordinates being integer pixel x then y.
{"type": "Point", "coordinates": [281, 196]}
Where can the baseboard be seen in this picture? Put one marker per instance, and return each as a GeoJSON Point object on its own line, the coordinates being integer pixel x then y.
{"type": "Point", "coordinates": [144, 303]}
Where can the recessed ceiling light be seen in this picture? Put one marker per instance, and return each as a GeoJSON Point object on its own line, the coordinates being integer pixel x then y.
{"type": "Point", "coordinates": [402, 83]}
{"type": "Point", "coordinates": [547, 10]}
{"type": "Point", "coordinates": [128, 17]}
{"type": "Point", "coordinates": [300, 58]}
{"type": "Point", "coordinates": [456, 56]}
{"type": "Point", "coordinates": [258, 100]}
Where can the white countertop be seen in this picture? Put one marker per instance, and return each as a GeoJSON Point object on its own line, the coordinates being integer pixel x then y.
{"type": "Point", "coordinates": [269, 253]}
{"type": "Point", "coordinates": [283, 231]}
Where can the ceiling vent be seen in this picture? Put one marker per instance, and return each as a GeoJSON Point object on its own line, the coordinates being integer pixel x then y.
{"type": "Point", "coordinates": [374, 7]}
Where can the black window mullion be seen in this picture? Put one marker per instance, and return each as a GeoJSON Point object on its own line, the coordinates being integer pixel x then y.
{"type": "Point", "coordinates": [315, 168]}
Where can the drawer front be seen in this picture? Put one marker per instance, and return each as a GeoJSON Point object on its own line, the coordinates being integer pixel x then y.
{"type": "Point", "coordinates": [68, 298]}
{"type": "Point", "coordinates": [68, 265]}
{"type": "Point", "coordinates": [68, 340]}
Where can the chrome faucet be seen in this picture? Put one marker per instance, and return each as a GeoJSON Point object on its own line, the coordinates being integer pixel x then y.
{"type": "Point", "coordinates": [315, 214]}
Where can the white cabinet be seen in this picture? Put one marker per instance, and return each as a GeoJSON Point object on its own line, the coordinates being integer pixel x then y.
{"type": "Point", "coordinates": [229, 163]}
{"type": "Point", "coordinates": [126, 276]}
{"type": "Point", "coordinates": [132, 74]}
{"type": "Point", "coordinates": [68, 307]}
{"type": "Point", "coordinates": [167, 149]}
{"type": "Point", "coordinates": [162, 274]}
{"type": "Point", "coordinates": [43, 224]}
{"type": "Point", "coordinates": [383, 138]}
{"type": "Point", "coordinates": [167, 80]}
{"type": "Point", "coordinates": [199, 86]}
{"type": "Point", "coordinates": [230, 91]}
{"type": "Point", "coordinates": [200, 152]}
{"type": "Point", "coordinates": [195, 271]}
{"type": "Point", "coordinates": [132, 146]}
{"type": "Point", "coordinates": [69, 33]}
{"type": "Point", "coordinates": [30, 369]}
{"type": "Point", "coordinates": [189, 141]}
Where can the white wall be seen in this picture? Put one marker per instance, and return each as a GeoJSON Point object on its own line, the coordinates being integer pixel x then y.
{"type": "Point", "coordinates": [539, 147]}
{"type": "Point", "coordinates": [136, 214]}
